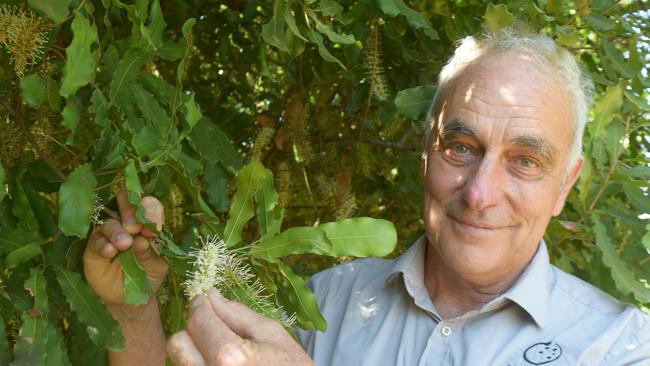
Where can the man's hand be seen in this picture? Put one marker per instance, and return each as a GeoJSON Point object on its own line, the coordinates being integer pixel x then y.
{"type": "Point", "coordinates": [103, 273]}
{"type": "Point", "coordinates": [222, 332]}
{"type": "Point", "coordinates": [141, 326]}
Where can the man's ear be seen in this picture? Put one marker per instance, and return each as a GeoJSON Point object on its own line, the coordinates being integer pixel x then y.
{"type": "Point", "coordinates": [570, 179]}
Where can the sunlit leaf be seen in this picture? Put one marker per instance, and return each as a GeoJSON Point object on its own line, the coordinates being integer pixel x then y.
{"type": "Point", "coordinates": [269, 212]}
{"type": "Point", "coordinates": [192, 112]}
{"type": "Point", "coordinates": [616, 58]}
{"type": "Point", "coordinates": [249, 180]}
{"type": "Point", "coordinates": [497, 17]}
{"type": "Point", "coordinates": [361, 237]}
{"type": "Point", "coordinates": [296, 240]}
{"type": "Point", "coordinates": [604, 109]}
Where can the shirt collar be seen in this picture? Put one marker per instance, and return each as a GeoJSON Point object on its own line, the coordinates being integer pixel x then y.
{"type": "Point", "coordinates": [531, 291]}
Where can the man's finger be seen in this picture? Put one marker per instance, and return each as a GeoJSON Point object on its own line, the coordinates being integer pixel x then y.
{"type": "Point", "coordinates": [242, 320]}
{"type": "Point", "coordinates": [182, 350]}
{"type": "Point", "coordinates": [212, 336]}
{"type": "Point", "coordinates": [98, 245]}
{"type": "Point", "coordinates": [116, 234]}
{"type": "Point", "coordinates": [154, 212]}
{"type": "Point", "coordinates": [127, 213]}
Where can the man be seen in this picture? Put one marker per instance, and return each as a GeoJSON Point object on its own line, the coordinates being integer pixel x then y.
{"type": "Point", "coordinates": [503, 151]}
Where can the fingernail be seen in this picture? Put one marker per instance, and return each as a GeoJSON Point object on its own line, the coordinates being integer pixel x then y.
{"type": "Point", "coordinates": [122, 236]}
{"type": "Point", "coordinates": [215, 296]}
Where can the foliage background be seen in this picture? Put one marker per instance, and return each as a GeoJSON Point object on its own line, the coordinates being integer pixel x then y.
{"type": "Point", "coordinates": [327, 94]}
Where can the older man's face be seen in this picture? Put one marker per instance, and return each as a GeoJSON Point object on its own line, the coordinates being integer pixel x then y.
{"type": "Point", "coordinates": [498, 170]}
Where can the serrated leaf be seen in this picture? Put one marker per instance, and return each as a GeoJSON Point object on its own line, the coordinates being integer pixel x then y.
{"type": "Point", "coordinates": [153, 33]}
{"type": "Point", "coordinates": [80, 61]}
{"type": "Point", "coordinates": [57, 353]}
{"type": "Point", "coordinates": [192, 111]}
{"type": "Point", "coordinates": [604, 109]}
{"type": "Point", "coordinates": [30, 348]}
{"type": "Point", "coordinates": [33, 91]}
{"type": "Point", "coordinates": [213, 144]}
{"type": "Point", "coordinates": [623, 276]}
{"type": "Point", "coordinates": [109, 150]}
{"type": "Point", "coordinates": [57, 11]}
{"type": "Point", "coordinates": [296, 297]}
{"type": "Point", "coordinates": [249, 180]}
{"type": "Point", "coordinates": [137, 288]}
{"type": "Point", "coordinates": [71, 114]}
{"type": "Point", "coordinates": [21, 255]}
{"type": "Point", "coordinates": [273, 31]}
{"type": "Point", "coordinates": [125, 73]}
{"type": "Point", "coordinates": [414, 102]}
{"type": "Point", "coordinates": [322, 50]}
{"type": "Point", "coordinates": [76, 198]}
{"type": "Point", "coordinates": [330, 8]}
{"type": "Point", "coordinates": [100, 325]}
{"type": "Point", "coordinates": [296, 240]}
{"type": "Point", "coordinates": [617, 60]}
{"type": "Point", "coordinates": [497, 17]}
{"type": "Point", "coordinates": [361, 237]}
{"type": "Point", "coordinates": [269, 212]}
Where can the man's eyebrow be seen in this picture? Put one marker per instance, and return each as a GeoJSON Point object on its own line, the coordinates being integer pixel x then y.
{"type": "Point", "coordinates": [546, 151]}
{"type": "Point", "coordinates": [456, 127]}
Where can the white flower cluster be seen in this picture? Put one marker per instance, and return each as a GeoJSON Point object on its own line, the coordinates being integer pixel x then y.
{"type": "Point", "coordinates": [209, 263]}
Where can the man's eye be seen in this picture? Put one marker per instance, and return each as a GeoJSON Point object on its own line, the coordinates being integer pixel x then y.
{"type": "Point", "coordinates": [527, 163]}
{"type": "Point", "coordinates": [460, 149]}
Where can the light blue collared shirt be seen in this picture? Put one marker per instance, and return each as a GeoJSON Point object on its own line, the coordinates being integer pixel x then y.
{"type": "Point", "coordinates": [379, 312]}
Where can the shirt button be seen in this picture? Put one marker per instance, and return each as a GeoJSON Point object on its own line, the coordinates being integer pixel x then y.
{"type": "Point", "coordinates": [446, 331]}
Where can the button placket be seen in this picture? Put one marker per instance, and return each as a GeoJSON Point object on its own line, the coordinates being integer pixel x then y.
{"type": "Point", "coordinates": [446, 331]}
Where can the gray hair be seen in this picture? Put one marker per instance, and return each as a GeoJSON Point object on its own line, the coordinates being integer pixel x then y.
{"type": "Point", "coordinates": [543, 50]}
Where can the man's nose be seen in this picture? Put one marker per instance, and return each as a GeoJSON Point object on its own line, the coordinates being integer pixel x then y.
{"type": "Point", "coordinates": [484, 185]}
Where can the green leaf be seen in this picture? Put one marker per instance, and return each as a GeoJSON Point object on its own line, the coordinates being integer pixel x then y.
{"type": "Point", "coordinates": [137, 288]}
{"type": "Point", "coordinates": [187, 45]}
{"type": "Point", "coordinates": [361, 237]}
{"type": "Point", "coordinates": [273, 31]}
{"type": "Point", "coordinates": [269, 212]}
{"type": "Point", "coordinates": [414, 102]}
{"type": "Point", "coordinates": [296, 240]}
{"type": "Point", "coordinates": [330, 8]}
{"type": "Point", "coordinates": [291, 22]}
{"type": "Point", "coordinates": [151, 110]}
{"type": "Point", "coordinates": [56, 354]}
{"type": "Point", "coordinates": [600, 22]}
{"type": "Point", "coordinates": [568, 37]}
{"type": "Point", "coordinates": [23, 209]}
{"type": "Point", "coordinates": [3, 192]}
{"type": "Point", "coordinates": [71, 114]}
{"type": "Point", "coordinates": [614, 134]}
{"type": "Point", "coordinates": [109, 150]}
{"type": "Point", "coordinates": [646, 238]}
{"type": "Point", "coordinates": [216, 186]}
{"type": "Point", "coordinates": [80, 61]}
{"type": "Point", "coordinates": [148, 140]}
{"type": "Point", "coordinates": [322, 50]}
{"type": "Point", "coordinates": [249, 180]}
{"type": "Point", "coordinates": [389, 7]}
{"type": "Point", "coordinates": [621, 273]}
{"type": "Point", "coordinates": [636, 195]}
{"type": "Point", "coordinates": [134, 193]}
{"type": "Point", "coordinates": [416, 19]}
{"type": "Point", "coordinates": [100, 325]}
{"type": "Point", "coordinates": [638, 101]}
{"type": "Point", "coordinates": [127, 70]}
{"type": "Point", "coordinates": [33, 90]}
{"type": "Point", "coordinates": [497, 17]}
{"type": "Point", "coordinates": [213, 144]}
{"type": "Point", "coordinates": [14, 238]}
{"type": "Point", "coordinates": [296, 297]}
{"type": "Point", "coordinates": [617, 60]}
{"type": "Point", "coordinates": [76, 199]}
{"type": "Point", "coordinates": [30, 347]}
{"type": "Point", "coordinates": [22, 255]}
{"type": "Point", "coordinates": [57, 11]}
{"type": "Point", "coordinates": [153, 33]}
{"type": "Point", "coordinates": [192, 112]}
{"type": "Point", "coordinates": [334, 36]}
{"type": "Point", "coordinates": [605, 108]}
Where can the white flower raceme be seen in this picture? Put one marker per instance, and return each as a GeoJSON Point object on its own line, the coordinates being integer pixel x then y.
{"type": "Point", "coordinates": [209, 262]}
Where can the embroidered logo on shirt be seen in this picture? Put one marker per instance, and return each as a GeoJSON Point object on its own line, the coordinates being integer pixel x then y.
{"type": "Point", "coordinates": [542, 353]}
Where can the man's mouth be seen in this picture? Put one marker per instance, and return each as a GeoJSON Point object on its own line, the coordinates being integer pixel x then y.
{"type": "Point", "coordinates": [471, 225]}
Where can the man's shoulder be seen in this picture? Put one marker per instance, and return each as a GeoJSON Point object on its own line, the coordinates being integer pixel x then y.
{"type": "Point", "coordinates": [345, 277]}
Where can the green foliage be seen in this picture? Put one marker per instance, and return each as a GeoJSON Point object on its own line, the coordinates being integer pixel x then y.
{"type": "Point", "coordinates": [162, 97]}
